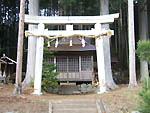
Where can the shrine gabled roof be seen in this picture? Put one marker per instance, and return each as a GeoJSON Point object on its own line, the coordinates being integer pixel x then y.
{"type": "Point", "coordinates": [76, 45]}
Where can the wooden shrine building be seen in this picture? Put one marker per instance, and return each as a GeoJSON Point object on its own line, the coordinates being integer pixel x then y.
{"type": "Point", "coordinates": [7, 68]}
{"type": "Point", "coordinates": [73, 62]}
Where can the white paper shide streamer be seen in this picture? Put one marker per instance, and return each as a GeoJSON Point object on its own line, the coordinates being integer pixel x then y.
{"type": "Point", "coordinates": [83, 41]}
{"type": "Point", "coordinates": [56, 44]}
{"type": "Point", "coordinates": [70, 42]}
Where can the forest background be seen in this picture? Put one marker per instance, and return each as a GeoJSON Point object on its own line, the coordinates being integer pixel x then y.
{"type": "Point", "coordinates": [9, 20]}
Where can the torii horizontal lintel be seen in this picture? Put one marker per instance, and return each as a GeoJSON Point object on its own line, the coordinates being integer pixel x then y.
{"type": "Point", "coordinates": [106, 19]}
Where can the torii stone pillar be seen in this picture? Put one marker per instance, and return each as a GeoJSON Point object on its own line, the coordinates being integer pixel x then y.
{"type": "Point", "coordinates": [104, 62]}
{"type": "Point", "coordinates": [100, 60]}
{"type": "Point", "coordinates": [39, 61]}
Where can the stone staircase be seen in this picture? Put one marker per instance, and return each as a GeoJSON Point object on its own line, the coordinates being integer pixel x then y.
{"type": "Point", "coordinates": [73, 106]}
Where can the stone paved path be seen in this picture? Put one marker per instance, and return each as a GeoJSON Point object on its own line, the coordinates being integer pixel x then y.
{"type": "Point", "coordinates": [74, 106]}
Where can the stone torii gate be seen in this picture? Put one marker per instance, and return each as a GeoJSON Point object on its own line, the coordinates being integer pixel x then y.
{"type": "Point", "coordinates": [96, 32]}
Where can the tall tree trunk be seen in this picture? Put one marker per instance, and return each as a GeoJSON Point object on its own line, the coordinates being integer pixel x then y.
{"type": "Point", "coordinates": [132, 64]}
{"type": "Point", "coordinates": [18, 88]}
{"type": "Point", "coordinates": [33, 10]}
{"type": "Point", "coordinates": [106, 79]}
{"type": "Point", "coordinates": [143, 34]}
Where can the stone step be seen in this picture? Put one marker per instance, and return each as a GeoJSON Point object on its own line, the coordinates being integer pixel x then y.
{"type": "Point", "coordinates": [74, 106]}
{"type": "Point", "coordinates": [87, 110]}
{"type": "Point", "coordinates": [70, 83]}
{"type": "Point", "coordinates": [74, 101]}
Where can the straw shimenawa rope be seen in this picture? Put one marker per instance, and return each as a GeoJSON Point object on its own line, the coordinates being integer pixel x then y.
{"type": "Point", "coordinates": [108, 33]}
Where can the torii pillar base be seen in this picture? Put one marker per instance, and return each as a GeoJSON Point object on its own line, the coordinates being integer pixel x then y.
{"type": "Point", "coordinates": [37, 92]}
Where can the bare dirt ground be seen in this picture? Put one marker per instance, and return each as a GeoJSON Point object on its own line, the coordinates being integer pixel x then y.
{"type": "Point", "coordinates": [121, 100]}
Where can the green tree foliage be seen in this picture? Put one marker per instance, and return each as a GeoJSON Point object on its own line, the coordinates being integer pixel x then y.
{"type": "Point", "coordinates": [114, 6]}
{"type": "Point", "coordinates": [9, 19]}
{"type": "Point", "coordinates": [143, 50]}
{"type": "Point", "coordinates": [47, 53]}
{"type": "Point", "coordinates": [0, 49]}
{"type": "Point", "coordinates": [144, 103]}
{"type": "Point", "coordinates": [49, 79]}
{"type": "Point", "coordinates": [70, 7]}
